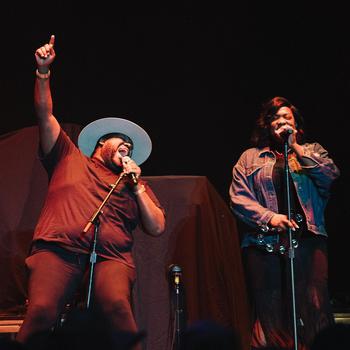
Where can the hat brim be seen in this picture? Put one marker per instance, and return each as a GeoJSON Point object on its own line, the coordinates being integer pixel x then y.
{"type": "Point", "coordinates": [92, 132]}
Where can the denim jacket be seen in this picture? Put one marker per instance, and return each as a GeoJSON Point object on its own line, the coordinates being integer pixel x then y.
{"type": "Point", "coordinates": [253, 196]}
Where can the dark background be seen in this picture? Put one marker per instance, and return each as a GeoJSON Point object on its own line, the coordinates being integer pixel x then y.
{"type": "Point", "coordinates": [194, 77]}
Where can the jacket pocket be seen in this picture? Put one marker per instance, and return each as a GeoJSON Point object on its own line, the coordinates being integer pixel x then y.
{"type": "Point", "coordinates": [254, 168]}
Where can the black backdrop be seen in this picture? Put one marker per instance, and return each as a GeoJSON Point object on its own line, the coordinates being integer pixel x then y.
{"type": "Point", "coordinates": [193, 77]}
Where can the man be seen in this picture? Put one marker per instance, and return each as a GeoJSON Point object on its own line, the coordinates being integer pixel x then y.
{"type": "Point", "coordinates": [79, 181]}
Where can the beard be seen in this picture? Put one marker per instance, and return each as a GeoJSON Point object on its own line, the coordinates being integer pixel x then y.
{"type": "Point", "coordinates": [108, 154]}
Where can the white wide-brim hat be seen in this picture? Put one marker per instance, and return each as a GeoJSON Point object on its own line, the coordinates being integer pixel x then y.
{"type": "Point", "coordinates": [91, 133]}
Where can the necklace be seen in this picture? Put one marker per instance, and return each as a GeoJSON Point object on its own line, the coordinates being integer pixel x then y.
{"type": "Point", "coordinates": [280, 154]}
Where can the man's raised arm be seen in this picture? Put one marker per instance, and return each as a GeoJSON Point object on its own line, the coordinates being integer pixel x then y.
{"type": "Point", "coordinates": [49, 127]}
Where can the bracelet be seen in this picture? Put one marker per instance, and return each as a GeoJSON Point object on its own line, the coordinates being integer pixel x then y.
{"type": "Point", "coordinates": [42, 75]}
{"type": "Point", "coordinates": [139, 191]}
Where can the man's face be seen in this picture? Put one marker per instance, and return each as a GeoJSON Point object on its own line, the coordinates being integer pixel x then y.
{"type": "Point", "coordinates": [112, 150]}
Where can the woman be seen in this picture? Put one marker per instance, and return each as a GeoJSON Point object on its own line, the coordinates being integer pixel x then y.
{"type": "Point", "coordinates": [258, 195]}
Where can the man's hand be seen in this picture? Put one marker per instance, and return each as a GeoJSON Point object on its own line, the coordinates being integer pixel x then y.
{"type": "Point", "coordinates": [131, 168]}
{"type": "Point", "coordinates": [45, 55]}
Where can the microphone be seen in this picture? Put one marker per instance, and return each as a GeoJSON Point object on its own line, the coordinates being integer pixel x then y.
{"type": "Point", "coordinates": [125, 161]}
{"type": "Point", "coordinates": [175, 273]}
{"type": "Point", "coordinates": [285, 134]}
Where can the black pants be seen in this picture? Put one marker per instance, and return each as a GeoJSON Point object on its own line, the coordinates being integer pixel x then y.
{"type": "Point", "coordinates": [268, 281]}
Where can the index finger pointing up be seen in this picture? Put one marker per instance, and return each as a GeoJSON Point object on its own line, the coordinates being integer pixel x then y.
{"type": "Point", "coordinates": [52, 41]}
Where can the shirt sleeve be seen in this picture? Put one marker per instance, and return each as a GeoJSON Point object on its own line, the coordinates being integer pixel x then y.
{"type": "Point", "coordinates": [62, 148]}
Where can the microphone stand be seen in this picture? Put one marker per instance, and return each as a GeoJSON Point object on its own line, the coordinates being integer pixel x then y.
{"type": "Point", "coordinates": [175, 273]}
{"type": "Point", "coordinates": [178, 312]}
{"type": "Point", "coordinates": [291, 254]}
{"type": "Point", "coordinates": [95, 221]}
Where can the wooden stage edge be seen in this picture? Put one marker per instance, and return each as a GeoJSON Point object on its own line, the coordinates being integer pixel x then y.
{"type": "Point", "coordinates": [11, 327]}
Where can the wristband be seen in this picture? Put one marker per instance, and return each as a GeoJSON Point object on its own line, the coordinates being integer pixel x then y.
{"type": "Point", "coordinates": [42, 75]}
{"type": "Point", "coordinates": [139, 191]}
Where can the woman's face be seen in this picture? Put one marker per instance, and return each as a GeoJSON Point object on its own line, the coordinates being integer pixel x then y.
{"type": "Point", "coordinates": [282, 121]}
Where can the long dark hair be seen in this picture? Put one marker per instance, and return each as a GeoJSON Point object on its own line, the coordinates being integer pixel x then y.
{"type": "Point", "coordinates": [261, 136]}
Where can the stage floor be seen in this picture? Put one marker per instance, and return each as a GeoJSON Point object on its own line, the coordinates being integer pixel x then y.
{"type": "Point", "coordinates": [10, 327]}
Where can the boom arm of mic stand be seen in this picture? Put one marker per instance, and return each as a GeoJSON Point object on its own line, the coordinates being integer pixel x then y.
{"type": "Point", "coordinates": [95, 221]}
{"type": "Point", "coordinates": [99, 209]}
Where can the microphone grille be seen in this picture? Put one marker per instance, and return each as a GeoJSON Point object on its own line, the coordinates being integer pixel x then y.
{"type": "Point", "coordinates": [175, 268]}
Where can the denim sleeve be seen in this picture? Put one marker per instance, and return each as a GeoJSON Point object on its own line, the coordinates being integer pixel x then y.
{"type": "Point", "coordinates": [243, 199]}
{"type": "Point", "coordinates": [321, 169]}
